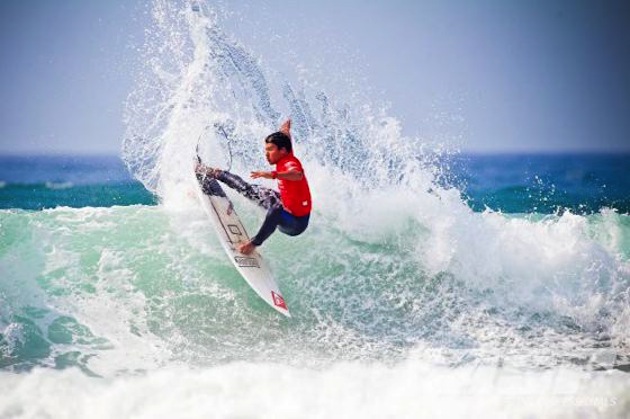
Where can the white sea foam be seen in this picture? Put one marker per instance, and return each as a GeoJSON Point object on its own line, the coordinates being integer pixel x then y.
{"type": "Point", "coordinates": [409, 389]}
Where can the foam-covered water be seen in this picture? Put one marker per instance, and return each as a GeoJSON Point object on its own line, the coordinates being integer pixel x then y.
{"type": "Point", "coordinates": [410, 389]}
{"type": "Point", "coordinates": [405, 301]}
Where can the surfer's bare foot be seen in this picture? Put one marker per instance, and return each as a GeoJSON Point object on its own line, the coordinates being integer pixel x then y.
{"type": "Point", "coordinates": [247, 248]}
{"type": "Point", "coordinates": [200, 169]}
{"type": "Point", "coordinates": [207, 171]}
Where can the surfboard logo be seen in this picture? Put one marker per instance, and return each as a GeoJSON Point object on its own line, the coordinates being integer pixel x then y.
{"type": "Point", "coordinates": [245, 262]}
{"type": "Point", "coordinates": [278, 300]}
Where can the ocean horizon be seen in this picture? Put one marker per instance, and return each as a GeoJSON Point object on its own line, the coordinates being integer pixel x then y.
{"type": "Point", "coordinates": [509, 182]}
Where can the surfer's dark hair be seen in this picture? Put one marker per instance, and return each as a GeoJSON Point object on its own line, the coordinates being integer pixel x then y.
{"type": "Point", "coordinates": [281, 140]}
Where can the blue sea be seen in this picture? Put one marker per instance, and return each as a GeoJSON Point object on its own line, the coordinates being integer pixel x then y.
{"type": "Point", "coordinates": [430, 283]}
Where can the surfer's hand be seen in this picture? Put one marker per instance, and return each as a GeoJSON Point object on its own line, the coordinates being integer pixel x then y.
{"type": "Point", "coordinates": [261, 174]}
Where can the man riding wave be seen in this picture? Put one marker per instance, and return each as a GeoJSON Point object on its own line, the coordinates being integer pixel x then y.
{"type": "Point", "coordinates": [288, 210]}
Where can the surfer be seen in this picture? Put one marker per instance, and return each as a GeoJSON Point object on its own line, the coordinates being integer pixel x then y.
{"type": "Point", "coordinates": [288, 210]}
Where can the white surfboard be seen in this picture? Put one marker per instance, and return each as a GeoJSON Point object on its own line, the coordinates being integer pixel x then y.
{"type": "Point", "coordinates": [231, 233]}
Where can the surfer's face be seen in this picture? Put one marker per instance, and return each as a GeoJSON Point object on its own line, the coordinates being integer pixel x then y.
{"type": "Point", "coordinates": [273, 153]}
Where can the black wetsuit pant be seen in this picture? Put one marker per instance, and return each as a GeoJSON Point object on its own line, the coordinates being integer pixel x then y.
{"type": "Point", "coordinates": [277, 216]}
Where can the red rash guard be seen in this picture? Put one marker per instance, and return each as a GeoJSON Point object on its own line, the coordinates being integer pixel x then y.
{"type": "Point", "coordinates": [295, 194]}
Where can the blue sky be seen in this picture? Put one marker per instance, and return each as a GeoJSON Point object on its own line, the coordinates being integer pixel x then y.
{"type": "Point", "coordinates": [488, 75]}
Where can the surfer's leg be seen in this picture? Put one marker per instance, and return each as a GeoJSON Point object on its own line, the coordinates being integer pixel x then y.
{"type": "Point", "coordinates": [278, 217]}
{"type": "Point", "coordinates": [272, 219]}
{"type": "Point", "coordinates": [292, 225]}
{"type": "Point", "coordinates": [265, 197]}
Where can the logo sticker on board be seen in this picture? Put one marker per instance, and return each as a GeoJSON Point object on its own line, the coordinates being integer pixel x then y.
{"type": "Point", "coordinates": [245, 262]}
{"type": "Point", "coordinates": [278, 300]}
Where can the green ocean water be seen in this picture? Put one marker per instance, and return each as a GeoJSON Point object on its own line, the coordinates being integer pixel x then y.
{"type": "Point", "coordinates": [79, 283]}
